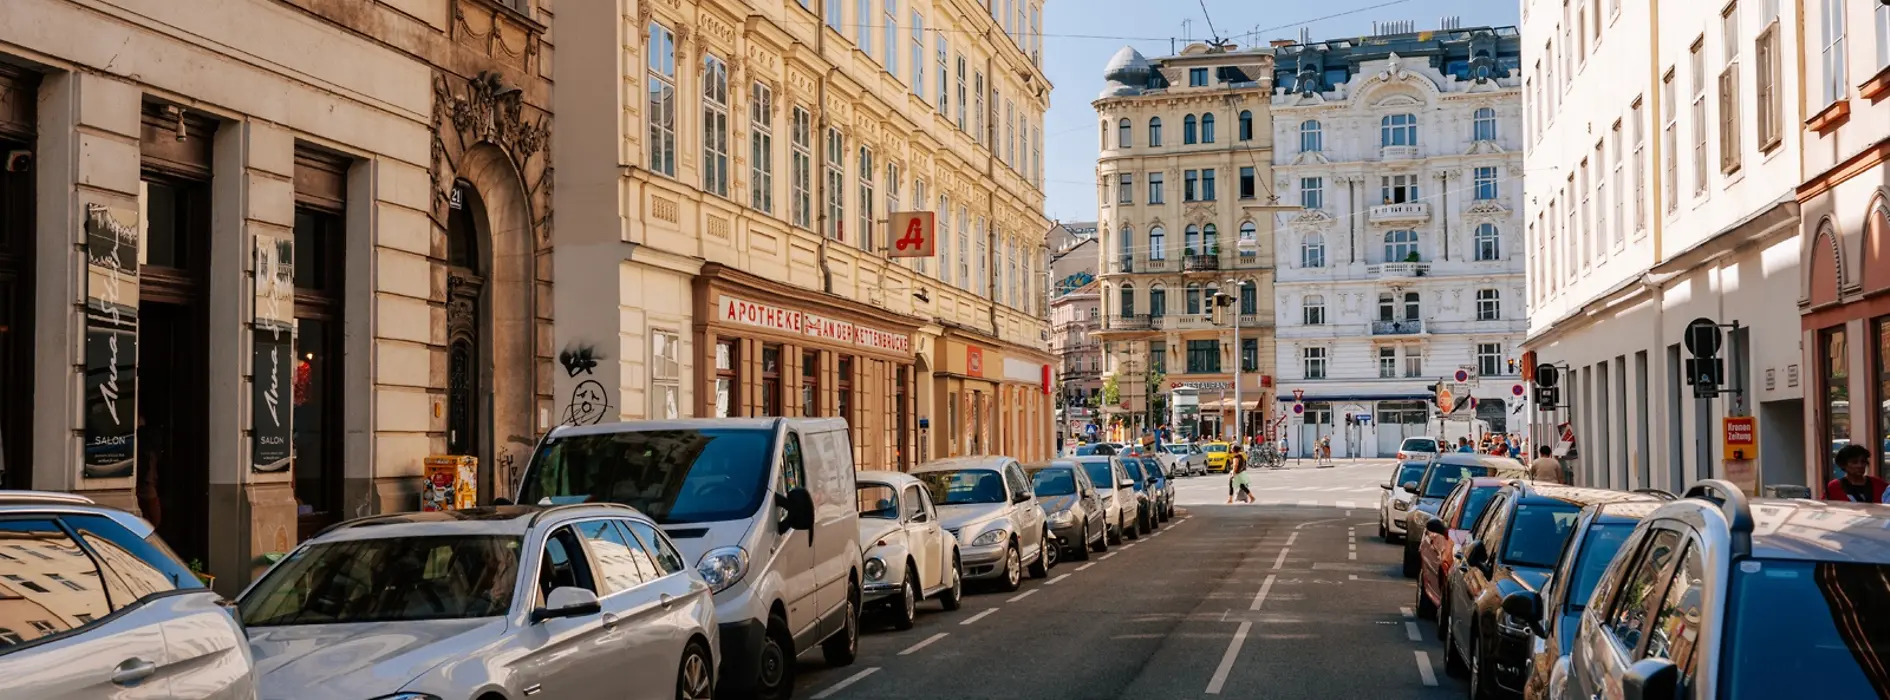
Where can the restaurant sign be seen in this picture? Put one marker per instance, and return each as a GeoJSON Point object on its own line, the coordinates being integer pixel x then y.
{"type": "Point", "coordinates": [742, 311]}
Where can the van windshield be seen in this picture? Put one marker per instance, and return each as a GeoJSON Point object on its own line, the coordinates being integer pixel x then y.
{"type": "Point", "coordinates": [673, 476]}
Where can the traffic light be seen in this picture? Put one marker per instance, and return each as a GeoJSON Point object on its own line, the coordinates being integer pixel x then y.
{"type": "Point", "coordinates": [1548, 398]}
{"type": "Point", "coordinates": [1705, 371]}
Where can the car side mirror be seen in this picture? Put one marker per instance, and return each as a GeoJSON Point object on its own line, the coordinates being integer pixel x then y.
{"type": "Point", "coordinates": [1526, 606]}
{"type": "Point", "coordinates": [800, 511]}
{"type": "Point", "coordinates": [1650, 679]}
{"type": "Point", "coordinates": [1386, 486]}
{"type": "Point", "coordinates": [1410, 487]}
{"type": "Point", "coordinates": [1154, 480]}
{"type": "Point", "coordinates": [567, 601]}
{"type": "Point", "coordinates": [1478, 556]}
{"type": "Point", "coordinates": [1126, 484]}
{"type": "Point", "coordinates": [501, 501]}
{"type": "Point", "coordinates": [1020, 497]}
{"type": "Point", "coordinates": [1436, 527]}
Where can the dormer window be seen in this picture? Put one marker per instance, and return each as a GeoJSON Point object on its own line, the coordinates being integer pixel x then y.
{"type": "Point", "coordinates": [1197, 77]}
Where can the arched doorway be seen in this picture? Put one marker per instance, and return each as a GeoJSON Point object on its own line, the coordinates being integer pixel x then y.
{"type": "Point", "coordinates": [465, 297]}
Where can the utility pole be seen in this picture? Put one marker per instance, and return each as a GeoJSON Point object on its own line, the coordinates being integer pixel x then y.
{"type": "Point", "coordinates": [1224, 299]}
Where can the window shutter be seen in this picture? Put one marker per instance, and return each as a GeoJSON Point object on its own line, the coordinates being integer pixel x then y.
{"type": "Point", "coordinates": [1729, 119]}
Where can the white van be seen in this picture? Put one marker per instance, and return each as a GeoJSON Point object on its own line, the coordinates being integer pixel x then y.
{"type": "Point", "coordinates": [764, 507]}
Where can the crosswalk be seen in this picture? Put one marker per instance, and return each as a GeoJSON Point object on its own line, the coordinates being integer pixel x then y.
{"type": "Point", "coordinates": [1347, 485]}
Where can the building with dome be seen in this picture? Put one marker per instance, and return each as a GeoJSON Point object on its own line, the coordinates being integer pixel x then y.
{"type": "Point", "coordinates": [1185, 169]}
{"type": "Point", "coordinates": [1403, 268]}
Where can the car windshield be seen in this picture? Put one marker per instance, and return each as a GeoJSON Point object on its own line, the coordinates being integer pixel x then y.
{"type": "Point", "coordinates": [444, 577]}
{"type": "Point", "coordinates": [1444, 478]}
{"type": "Point", "coordinates": [1151, 467]}
{"type": "Point", "coordinates": [878, 501]}
{"type": "Point", "coordinates": [1053, 481]}
{"type": "Point", "coordinates": [1096, 449]}
{"type": "Point", "coordinates": [1134, 467]}
{"type": "Point", "coordinates": [1419, 445]}
{"type": "Point", "coordinates": [1100, 474]}
{"type": "Point", "coordinates": [1598, 549]}
{"type": "Point", "coordinates": [1537, 532]}
{"type": "Point", "coordinates": [674, 476]}
{"type": "Point", "coordinates": [1798, 626]}
{"type": "Point", "coordinates": [962, 486]}
{"type": "Point", "coordinates": [1410, 472]}
{"type": "Point", "coordinates": [1217, 448]}
{"type": "Point", "coordinates": [1473, 505]}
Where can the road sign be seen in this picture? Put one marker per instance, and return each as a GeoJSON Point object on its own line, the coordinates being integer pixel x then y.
{"type": "Point", "coordinates": [1299, 408]}
{"type": "Point", "coordinates": [1446, 402]}
{"type": "Point", "coordinates": [913, 234]}
{"type": "Point", "coordinates": [1702, 337]}
{"type": "Point", "coordinates": [1299, 394]}
{"type": "Point", "coordinates": [1516, 390]}
{"type": "Point", "coordinates": [1462, 376]}
{"type": "Point", "coordinates": [1740, 437]}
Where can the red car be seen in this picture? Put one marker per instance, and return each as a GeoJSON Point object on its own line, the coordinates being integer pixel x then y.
{"type": "Point", "coordinates": [1446, 532]}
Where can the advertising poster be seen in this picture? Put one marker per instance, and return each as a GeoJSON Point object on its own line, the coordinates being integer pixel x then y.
{"type": "Point", "coordinates": [272, 362]}
{"type": "Point", "coordinates": [111, 342]}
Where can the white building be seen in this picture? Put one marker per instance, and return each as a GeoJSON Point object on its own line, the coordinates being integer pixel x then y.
{"type": "Point", "coordinates": [1663, 149]}
{"type": "Point", "coordinates": [1404, 265]}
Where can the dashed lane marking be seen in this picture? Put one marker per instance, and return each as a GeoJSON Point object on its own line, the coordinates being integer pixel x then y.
{"type": "Point", "coordinates": [1056, 580]}
{"type": "Point", "coordinates": [1261, 597]}
{"type": "Point", "coordinates": [1346, 504]}
{"type": "Point", "coordinates": [979, 616]}
{"type": "Point", "coordinates": [1309, 502]}
{"type": "Point", "coordinates": [1085, 566]}
{"type": "Point", "coordinates": [842, 685]}
{"type": "Point", "coordinates": [1111, 554]}
{"type": "Point", "coordinates": [1227, 659]}
{"type": "Point", "coordinates": [923, 644]}
{"type": "Point", "coordinates": [1411, 631]}
{"type": "Point", "coordinates": [1424, 669]}
{"type": "Point", "coordinates": [1021, 596]}
{"type": "Point", "coordinates": [1280, 560]}
{"type": "Point", "coordinates": [1290, 539]}
{"type": "Point", "coordinates": [1406, 612]}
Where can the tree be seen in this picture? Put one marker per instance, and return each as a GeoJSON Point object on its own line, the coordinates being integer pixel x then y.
{"type": "Point", "coordinates": [1111, 394]}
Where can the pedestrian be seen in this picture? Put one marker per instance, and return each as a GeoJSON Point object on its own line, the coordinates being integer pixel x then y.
{"type": "Point", "coordinates": [1241, 483]}
{"type": "Point", "coordinates": [1463, 445]}
{"type": "Point", "coordinates": [1515, 448]}
{"type": "Point", "coordinates": [1857, 485]}
{"type": "Point", "coordinates": [1499, 448]}
{"type": "Point", "coordinates": [1546, 469]}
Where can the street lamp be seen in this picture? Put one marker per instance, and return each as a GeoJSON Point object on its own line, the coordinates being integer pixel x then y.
{"type": "Point", "coordinates": [1223, 299]}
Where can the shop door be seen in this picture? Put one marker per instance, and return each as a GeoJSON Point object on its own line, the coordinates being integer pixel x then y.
{"type": "Point", "coordinates": [17, 131]}
{"type": "Point", "coordinates": [465, 294]}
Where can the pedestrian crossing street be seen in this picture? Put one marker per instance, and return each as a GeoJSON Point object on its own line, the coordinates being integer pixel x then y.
{"type": "Point", "coordinates": [1347, 484]}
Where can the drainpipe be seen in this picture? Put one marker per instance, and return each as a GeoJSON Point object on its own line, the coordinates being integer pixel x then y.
{"type": "Point", "coordinates": [820, 144]}
{"type": "Point", "coordinates": [1352, 188]}
{"type": "Point", "coordinates": [1443, 216]}
{"type": "Point", "coordinates": [990, 193]}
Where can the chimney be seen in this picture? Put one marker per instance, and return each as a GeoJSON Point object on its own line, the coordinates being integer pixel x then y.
{"type": "Point", "coordinates": [1305, 35]}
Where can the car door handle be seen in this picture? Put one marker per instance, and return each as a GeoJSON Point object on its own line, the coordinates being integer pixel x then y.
{"type": "Point", "coordinates": [667, 600]}
{"type": "Point", "coordinates": [133, 671]}
{"type": "Point", "coordinates": [609, 621]}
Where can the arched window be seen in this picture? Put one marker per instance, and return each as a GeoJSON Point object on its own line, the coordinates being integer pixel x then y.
{"type": "Point", "coordinates": [1191, 240]}
{"type": "Point", "coordinates": [1187, 129]}
{"type": "Point", "coordinates": [1312, 250]}
{"type": "Point", "coordinates": [1123, 137]}
{"type": "Point", "coordinates": [1313, 310]}
{"type": "Point", "coordinates": [1488, 242]}
{"type": "Point", "coordinates": [1483, 124]}
{"type": "Point", "coordinates": [1489, 305]}
{"type": "Point", "coordinates": [1249, 298]}
{"type": "Point", "coordinates": [1312, 137]}
{"type": "Point", "coordinates": [1398, 130]}
{"type": "Point", "coordinates": [1154, 131]}
{"type": "Point", "coordinates": [1194, 299]}
{"type": "Point", "coordinates": [1207, 128]}
{"type": "Point", "coordinates": [1410, 306]}
{"type": "Point", "coordinates": [1127, 244]}
{"type": "Point", "coordinates": [1127, 307]}
{"type": "Point", "coordinates": [1249, 238]}
{"type": "Point", "coordinates": [1246, 125]}
{"type": "Point", "coordinates": [1157, 301]}
{"type": "Point", "coordinates": [1401, 246]}
{"type": "Point", "coordinates": [1157, 244]}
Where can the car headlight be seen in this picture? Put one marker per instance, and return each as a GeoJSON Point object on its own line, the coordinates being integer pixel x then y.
{"type": "Point", "coordinates": [723, 567]}
{"type": "Point", "coordinates": [990, 538]}
{"type": "Point", "coordinates": [1062, 517]}
{"type": "Point", "coordinates": [1400, 505]}
{"type": "Point", "coordinates": [875, 569]}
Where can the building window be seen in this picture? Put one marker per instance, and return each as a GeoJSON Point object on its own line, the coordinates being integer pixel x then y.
{"type": "Point", "coordinates": [1207, 128]}
{"type": "Point", "coordinates": [810, 384]}
{"type": "Point", "coordinates": [1191, 241]}
{"type": "Point", "coordinates": [1157, 243]}
{"type": "Point", "coordinates": [1207, 185]}
{"type": "Point", "coordinates": [726, 378]}
{"type": "Point", "coordinates": [964, 248]}
{"type": "Point", "coordinates": [1398, 130]}
{"type": "Point", "coordinates": [1388, 362]}
{"type": "Point", "coordinates": [1249, 239]}
{"type": "Point", "coordinates": [1246, 182]}
{"type": "Point", "coordinates": [1126, 242]}
{"type": "Point", "coordinates": [1190, 179]}
{"type": "Point", "coordinates": [1670, 143]}
{"type": "Point", "coordinates": [868, 172]}
{"type": "Point", "coordinates": [1766, 79]}
{"type": "Point", "coordinates": [1204, 356]}
{"type": "Point", "coordinates": [1489, 359]}
{"type": "Point", "coordinates": [984, 259]}
{"type": "Point", "coordinates": [1155, 194]}
{"type": "Point", "coordinates": [665, 375]}
{"type": "Point", "coordinates": [1314, 362]}
{"type": "Point", "coordinates": [1312, 138]}
{"type": "Point", "coordinates": [761, 148]}
{"type": "Point", "coordinates": [1188, 133]}
{"type": "Point", "coordinates": [1697, 64]}
{"type": "Point", "coordinates": [1398, 189]}
{"type": "Point", "coordinates": [1729, 136]}
{"type": "Point", "coordinates": [863, 31]}
{"type": "Point", "coordinates": [1312, 251]}
{"type": "Point", "coordinates": [1882, 23]}
{"type": "Point", "coordinates": [1312, 192]}
{"type": "Point", "coordinates": [917, 57]}
{"type": "Point", "coordinates": [1210, 240]}
{"type": "Point", "coordinates": [1313, 310]}
{"type": "Point", "coordinates": [843, 390]}
{"type": "Point", "coordinates": [771, 380]}
{"type": "Point", "coordinates": [1125, 188]}
{"type": "Point", "coordinates": [944, 47]}
{"type": "Point", "coordinates": [801, 135]}
{"type": "Point", "coordinates": [1401, 246]}
{"type": "Point", "coordinates": [1835, 376]}
{"type": "Point", "coordinates": [1157, 301]}
{"type": "Point", "coordinates": [1154, 131]}
{"type": "Point", "coordinates": [1246, 125]}
{"type": "Point", "coordinates": [1835, 81]}
{"type": "Point", "coordinates": [889, 39]}
{"type": "Point", "coordinates": [1197, 77]}
{"type": "Point", "coordinates": [1123, 133]}
{"type": "Point", "coordinates": [662, 91]}
{"type": "Point", "coordinates": [981, 115]}
{"type": "Point", "coordinates": [1489, 305]}
{"type": "Point", "coordinates": [836, 185]}
{"type": "Point", "coordinates": [1249, 354]}
{"type": "Point", "coordinates": [1387, 307]}
{"type": "Point", "coordinates": [1483, 124]}
{"type": "Point", "coordinates": [1488, 242]}
{"type": "Point", "coordinates": [964, 97]}
{"type": "Point", "coordinates": [1640, 165]}
{"type": "Point", "coordinates": [1193, 300]}
{"type": "Point", "coordinates": [1484, 179]}
{"type": "Point", "coordinates": [1614, 184]}
{"type": "Point", "coordinates": [1127, 297]}
{"type": "Point", "coordinates": [714, 126]}
{"type": "Point", "coordinates": [319, 277]}
{"type": "Point", "coordinates": [1413, 362]}
{"type": "Point", "coordinates": [1249, 298]}
{"type": "Point", "coordinates": [1158, 357]}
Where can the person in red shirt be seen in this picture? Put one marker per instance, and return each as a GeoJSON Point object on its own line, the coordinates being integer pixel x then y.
{"type": "Point", "coordinates": [1857, 485]}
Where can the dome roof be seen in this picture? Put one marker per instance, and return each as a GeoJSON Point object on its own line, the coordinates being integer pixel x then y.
{"type": "Point", "coordinates": [1126, 74]}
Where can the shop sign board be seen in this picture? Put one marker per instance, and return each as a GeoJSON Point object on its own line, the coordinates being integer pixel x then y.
{"type": "Point", "coordinates": [273, 363]}
{"type": "Point", "coordinates": [742, 311]}
{"type": "Point", "coordinates": [111, 342]}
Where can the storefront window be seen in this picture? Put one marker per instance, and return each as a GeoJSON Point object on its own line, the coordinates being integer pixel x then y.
{"type": "Point", "coordinates": [810, 384]}
{"type": "Point", "coordinates": [843, 390]}
{"type": "Point", "coordinates": [1837, 391]}
{"type": "Point", "coordinates": [725, 379]}
{"type": "Point", "coordinates": [771, 380]}
{"type": "Point", "coordinates": [317, 267]}
{"type": "Point", "coordinates": [1881, 362]}
{"type": "Point", "coordinates": [902, 455]}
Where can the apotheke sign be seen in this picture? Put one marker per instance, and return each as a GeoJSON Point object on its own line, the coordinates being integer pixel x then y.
{"type": "Point", "coordinates": [790, 321]}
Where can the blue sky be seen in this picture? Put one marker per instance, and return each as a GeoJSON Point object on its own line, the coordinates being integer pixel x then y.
{"type": "Point", "coordinates": [1075, 62]}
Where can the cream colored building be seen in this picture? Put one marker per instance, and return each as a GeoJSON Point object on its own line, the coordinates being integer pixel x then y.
{"type": "Point", "coordinates": [1186, 168]}
{"type": "Point", "coordinates": [725, 179]}
{"type": "Point", "coordinates": [261, 259]}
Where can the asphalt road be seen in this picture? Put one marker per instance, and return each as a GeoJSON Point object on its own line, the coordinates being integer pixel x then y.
{"type": "Point", "coordinates": [1241, 601]}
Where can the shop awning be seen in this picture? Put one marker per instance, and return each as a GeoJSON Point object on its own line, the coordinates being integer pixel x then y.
{"type": "Point", "coordinates": [1338, 398]}
{"type": "Point", "coordinates": [1228, 405]}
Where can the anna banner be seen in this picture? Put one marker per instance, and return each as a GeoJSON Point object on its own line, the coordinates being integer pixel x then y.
{"type": "Point", "coordinates": [111, 342]}
{"type": "Point", "coordinates": [273, 362]}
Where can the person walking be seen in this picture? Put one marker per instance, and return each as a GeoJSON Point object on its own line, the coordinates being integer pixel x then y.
{"type": "Point", "coordinates": [1236, 464]}
{"type": "Point", "coordinates": [1857, 485]}
{"type": "Point", "coordinates": [1242, 481]}
{"type": "Point", "coordinates": [1546, 469]}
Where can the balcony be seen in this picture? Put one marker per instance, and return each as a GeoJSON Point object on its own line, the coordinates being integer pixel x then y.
{"type": "Point", "coordinates": [1138, 322]}
{"type": "Point", "coordinates": [1402, 213]}
{"type": "Point", "coordinates": [1412, 327]}
{"type": "Point", "coordinates": [1156, 265]}
{"type": "Point", "coordinates": [1399, 270]}
{"type": "Point", "coordinates": [1202, 263]}
{"type": "Point", "coordinates": [1124, 264]}
{"type": "Point", "coordinates": [1397, 152]}
{"type": "Point", "coordinates": [1185, 322]}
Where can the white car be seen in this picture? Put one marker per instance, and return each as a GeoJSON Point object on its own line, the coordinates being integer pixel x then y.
{"type": "Point", "coordinates": [108, 613]}
{"type": "Point", "coordinates": [511, 602]}
{"type": "Point", "coordinates": [1419, 448]}
{"type": "Point", "coordinates": [909, 555]}
{"type": "Point", "coordinates": [1183, 459]}
{"type": "Point", "coordinates": [1394, 503]}
{"type": "Point", "coordinates": [991, 508]}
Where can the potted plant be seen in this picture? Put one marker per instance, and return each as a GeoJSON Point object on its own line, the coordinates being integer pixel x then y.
{"type": "Point", "coordinates": [1411, 257]}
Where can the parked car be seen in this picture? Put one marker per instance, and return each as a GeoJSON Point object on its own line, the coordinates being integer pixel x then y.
{"type": "Point", "coordinates": [1419, 448]}
{"type": "Point", "coordinates": [1215, 456]}
{"type": "Point", "coordinates": [1719, 596]}
{"type": "Point", "coordinates": [1117, 496]}
{"type": "Point", "coordinates": [987, 503]}
{"type": "Point", "coordinates": [909, 555]}
{"type": "Point", "coordinates": [483, 602]}
{"type": "Point", "coordinates": [764, 507]}
{"type": "Point", "coordinates": [1440, 478]}
{"type": "Point", "coordinates": [121, 615]}
{"type": "Point", "coordinates": [1395, 503]}
{"type": "Point", "coordinates": [1443, 538]}
{"type": "Point", "coordinates": [1513, 548]}
{"type": "Point", "coordinates": [1598, 535]}
{"type": "Point", "coordinates": [1094, 448]}
{"type": "Point", "coordinates": [1072, 506]}
{"type": "Point", "coordinates": [1162, 489]}
{"type": "Point", "coordinates": [1146, 506]}
{"type": "Point", "coordinates": [1184, 459]}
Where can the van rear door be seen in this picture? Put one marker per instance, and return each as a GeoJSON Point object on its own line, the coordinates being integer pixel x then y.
{"type": "Point", "coordinates": [794, 553]}
{"type": "Point", "coordinates": [836, 519]}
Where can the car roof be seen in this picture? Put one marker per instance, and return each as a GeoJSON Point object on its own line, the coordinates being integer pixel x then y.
{"type": "Point", "coordinates": [992, 462]}
{"type": "Point", "coordinates": [1820, 530]}
{"type": "Point", "coordinates": [1478, 482]}
{"type": "Point", "coordinates": [1474, 459]}
{"type": "Point", "coordinates": [515, 520]}
{"type": "Point", "coordinates": [898, 479]}
{"type": "Point", "coordinates": [70, 503]}
{"type": "Point", "coordinates": [1627, 511]}
{"type": "Point", "coordinates": [1058, 463]}
{"type": "Point", "coordinates": [1577, 495]}
{"type": "Point", "coordinates": [687, 424]}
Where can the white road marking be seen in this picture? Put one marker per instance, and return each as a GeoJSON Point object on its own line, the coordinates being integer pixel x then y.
{"type": "Point", "coordinates": [1309, 502]}
{"type": "Point", "coordinates": [1353, 546]}
{"type": "Point", "coordinates": [1227, 660]}
{"type": "Point", "coordinates": [1411, 631]}
{"type": "Point", "coordinates": [1303, 525]}
{"type": "Point", "coordinates": [1021, 596]}
{"type": "Point", "coordinates": [1280, 560]}
{"type": "Point", "coordinates": [1106, 556]}
{"type": "Point", "coordinates": [1423, 669]}
{"type": "Point", "coordinates": [1085, 566]}
{"type": "Point", "coordinates": [1054, 581]}
{"type": "Point", "coordinates": [1261, 597]}
{"type": "Point", "coordinates": [979, 616]}
{"type": "Point", "coordinates": [1352, 556]}
{"type": "Point", "coordinates": [1406, 612]}
{"type": "Point", "coordinates": [1346, 504]}
{"type": "Point", "coordinates": [1131, 545]}
{"type": "Point", "coordinates": [1351, 577]}
{"type": "Point", "coordinates": [1290, 539]}
{"type": "Point", "coordinates": [842, 685]}
{"type": "Point", "coordinates": [923, 644]}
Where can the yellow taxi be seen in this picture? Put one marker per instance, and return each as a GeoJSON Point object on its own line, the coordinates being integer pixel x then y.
{"type": "Point", "coordinates": [1216, 456]}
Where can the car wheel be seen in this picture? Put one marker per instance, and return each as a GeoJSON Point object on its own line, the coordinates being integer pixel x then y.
{"type": "Point", "coordinates": [695, 677]}
{"type": "Point", "coordinates": [1013, 569]}
{"type": "Point", "coordinates": [1426, 610]}
{"type": "Point", "coordinates": [1384, 532]}
{"type": "Point", "coordinates": [1133, 529]}
{"type": "Point", "coordinates": [954, 597]}
{"type": "Point", "coordinates": [1410, 561]}
{"type": "Point", "coordinates": [906, 608]}
{"type": "Point", "coordinates": [1081, 551]}
{"type": "Point", "coordinates": [1453, 661]}
{"type": "Point", "coordinates": [1479, 682]}
{"type": "Point", "coordinates": [844, 646]}
{"type": "Point", "coordinates": [1045, 559]}
{"type": "Point", "coordinates": [1111, 536]}
{"type": "Point", "coordinates": [775, 681]}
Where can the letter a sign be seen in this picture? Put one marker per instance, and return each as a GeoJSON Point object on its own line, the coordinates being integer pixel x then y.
{"type": "Point", "coordinates": [913, 234]}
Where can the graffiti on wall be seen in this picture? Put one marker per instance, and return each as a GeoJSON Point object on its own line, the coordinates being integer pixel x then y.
{"type": "Point", "coordinates": [579, 359]}
{"type": "Point", "coordinates": [588, 405]}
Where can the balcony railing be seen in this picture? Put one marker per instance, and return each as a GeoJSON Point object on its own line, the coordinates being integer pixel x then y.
{"type": "Point", "coordinates": [1397, 152]}
{"type": "Point", "coordinates": [1189, 321]}
{"type": "Point", "coordinates": [1399, 269]}
{"type": "Point", "coordinates": [1412, 327]}
{"type": "Point", "coordinates": [1125, 264]}
{"type": "Point", "coordinates": [1403, 212]}
{"type": "Point", "coordinates": [1137, 322]}
{"type": "Point", "coordinates": [1203, 263]}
